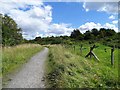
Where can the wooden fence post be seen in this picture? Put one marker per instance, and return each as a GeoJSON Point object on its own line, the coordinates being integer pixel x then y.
{"type": "Point", "coordinates": [81, 48]}
{"type": "Point", "coordinates": [74, 48]}
{"type": "Point", "coordinates": [91, 51]}
{"type": "Point", "coordinates": [112, 55]}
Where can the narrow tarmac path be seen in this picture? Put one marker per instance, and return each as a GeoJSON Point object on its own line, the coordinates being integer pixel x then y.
{"type": "Point", "coordinates": [32, 73]}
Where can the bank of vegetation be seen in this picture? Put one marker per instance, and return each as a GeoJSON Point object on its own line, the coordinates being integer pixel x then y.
{"type": "Point", "coordinates": [67, 68]}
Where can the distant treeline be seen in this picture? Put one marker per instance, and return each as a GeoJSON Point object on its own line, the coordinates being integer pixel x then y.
{"type": "Point", "coordinates": [12, 35]}
{"type": "Point", "coordinates": [105, 36]}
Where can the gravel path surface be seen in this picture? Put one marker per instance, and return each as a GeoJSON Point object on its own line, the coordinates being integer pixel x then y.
{"type": "Point", "coordinates": [32, 73]}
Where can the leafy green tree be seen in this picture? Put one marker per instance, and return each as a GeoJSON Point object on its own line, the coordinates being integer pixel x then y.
{"type": "Point", "coordinates": [110, 32]}
{"type": "Point", "coordinates": [95, 32]}
{"type": "Point", "coordinates": [0, 28]}
{"type": "Point", "coordinates": [88, 35]}
{"type": "Point", "coordinates": [102, 32]}
{"type": "Point", "coordinates": [76, 34]}
{"type": "Point", "coordinates": [38, 39]}
{"type": "Point", "coordinates": [11, 34]}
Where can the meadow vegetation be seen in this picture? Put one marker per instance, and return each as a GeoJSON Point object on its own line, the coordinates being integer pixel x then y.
{"type": "Point", "coordinates": [68, 68]}
{"type": "Point", "coordinates": [14, 57]}
{"type": "Point", "coordinates": [0, 61]}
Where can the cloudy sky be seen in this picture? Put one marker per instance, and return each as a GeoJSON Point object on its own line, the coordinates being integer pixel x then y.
{"type": "Point", "coordinates": [38, 18]}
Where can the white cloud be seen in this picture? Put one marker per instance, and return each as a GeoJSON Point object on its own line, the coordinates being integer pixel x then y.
{"type": "Point", "coordinates": [34, 18]}
{"type": "Point", "coordinates": [115, 22]}
{"type": "Point", "coordinates": [111, 26]}
{"type": "Point", "coordinates": [6, 6]}
{"type": "Point", "coordinates": [108, 7]}
{"type": "Point", "coordinates": [112, 17]}
{"type": "Point", "coordinates": [61, 29]}
{"type": "Point", "coordinates": [90, 25]}
{"type": "Point", "coordinates": [84, 6]}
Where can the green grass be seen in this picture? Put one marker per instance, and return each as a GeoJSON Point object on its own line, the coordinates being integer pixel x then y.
{"type": "Point", "coordinates": [0, 61]}
{"type": "Point", "coordinates": [67, 68]}
{"type": "Point", "coordinates": [14, 57]}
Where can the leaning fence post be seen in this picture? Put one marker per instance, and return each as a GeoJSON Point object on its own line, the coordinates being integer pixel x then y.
{"type": "Point", "coordinates": [112, 55]}
{"type": "Point", "coordinates": [91, 53]}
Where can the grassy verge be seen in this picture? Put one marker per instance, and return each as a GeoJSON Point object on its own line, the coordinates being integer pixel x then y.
{"type": "Point", "coordinates": [66, 68]}
{"type": "Point", "coordinates": [0, 61]}
{"type": "Point", "coordinates": [14, 57]}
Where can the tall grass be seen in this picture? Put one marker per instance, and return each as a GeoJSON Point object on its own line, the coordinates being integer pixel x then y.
{"type": "Point", "coordinates": [66, 68]}
{"type": "Point", "coordinates": [0, 61]}
{"type": "Point", "coordinates": [14, 57]}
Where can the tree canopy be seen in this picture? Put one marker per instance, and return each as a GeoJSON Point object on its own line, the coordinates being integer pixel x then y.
{"type": "Point", "coordinates": [11, 34]}
{"type": "Point", "coordinates": [76, 34]}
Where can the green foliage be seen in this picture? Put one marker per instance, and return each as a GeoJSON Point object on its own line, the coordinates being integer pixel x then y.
{"type": "Point", "coordinates": [11, 34]}
{"type": "Point", "coordinates": [14, 57]}
{"type": "Point", "coordinates": [67, 68]}
{"type": "Point", "coordinates": [104, 36]}
{"type": "Point", "coordinates": [76, 34]}
{"type": "Point", "coordinates": [51, 40]}
{"type": "Point", "coordinates": [88, 35]}
{"type": "Point", "coordinates": [95, 32]}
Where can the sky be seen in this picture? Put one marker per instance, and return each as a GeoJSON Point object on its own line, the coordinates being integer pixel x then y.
{"type": "Point", "coordinates": [38, 18]}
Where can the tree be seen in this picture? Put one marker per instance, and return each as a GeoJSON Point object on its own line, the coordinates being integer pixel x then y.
{"type": "Point", "coordinates": [76, 34]}
{"type": "Point", "coordinates": [95, 32]}
{"type": "Point", "coordinates": [0, 28]}
{"type": "Point", "coordinates": [38, 39]}
{"type": "Point", "coordinates": [110, 32]}
{"type": "Point", "coordinates": [102, 32]}
{"type": "Point", "coordinates": [11, 34]}
{"type": "Point", "coordinates": [88, 35]}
